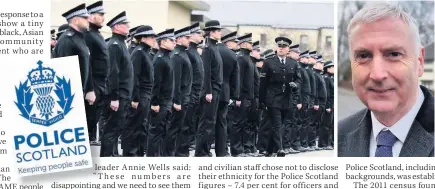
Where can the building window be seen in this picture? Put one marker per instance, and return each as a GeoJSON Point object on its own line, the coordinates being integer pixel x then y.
{"type": "Point", "coordinates": [303, 45]}
{"type": "Point", "coordinates": [263, 40]}
{"type": "Point", "coordinates": [328, 42]}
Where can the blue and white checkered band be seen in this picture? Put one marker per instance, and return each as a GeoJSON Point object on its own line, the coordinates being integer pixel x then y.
{"type": "Point", "coordinates": [233, 38]}
{"type": "Point", "coordinates": [269, 54]}
{"type": "Point", "coordinates": [119, 20]}
{"type": "Point", "coordinates": [98, 9]}
{"type": "Point", "coordinates": [282, 42]}
{"type": "Point", "coordinates": [305, 56]}
{"type": "Point", "coordinates": [82, 12]}
{"type": "Point", "coordinates": [164, 36]}
{"type": "Point", "coordinates": [182, 34]}
{"type": "Point", "coordinates": [149, 32]}
{"type": "Point", "coordinates": [196, 29]}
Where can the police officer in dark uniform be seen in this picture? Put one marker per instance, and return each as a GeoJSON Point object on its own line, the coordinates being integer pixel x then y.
{"type": "Point", "coordinates": [254, 116]}
{"type": "Point", "coordinates": [120, 84]}
{"type": "Point", "coordinates": [163, 92]}
{"type": "Point", "coordinates": [99, 60]}
{"type": "Point", "coordinates": [193, 111]}
{"type": "Point", "coordinates": [230, 90]}
{"type": "Point", "coordinates": [212, 85]}
{"type": "Point", "coordinates": [73, 43]}
{"type": "Point", "coordinates": [132, 39]}
{"type": "Point", "coordinates": [240, 131]}
{"type": "Point", "coordinates": [264, 126]}
{"type": "Point", "coordinates": [182, 88]}
{"type": "Point", "coordinates": [327, 130]}
{"type": "Point", "coordinates": [143, 84]}
{"type": "Point", "coordinates": [319, 103]}
{"type": "Point", "coordinates": [230, 41]}
{"type": "Point", "coordinates": [299, 113]}
{"type": "Point", "coordinates": [282, 82]}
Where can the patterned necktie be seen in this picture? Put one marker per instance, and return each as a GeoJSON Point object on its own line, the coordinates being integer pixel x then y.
{"type": "Point", "coordinates": [386, 140]}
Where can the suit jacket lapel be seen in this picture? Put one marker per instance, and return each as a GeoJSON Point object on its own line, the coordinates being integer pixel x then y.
{"type": "Point", "coordinates": [420, 139]}
{"type": "Point", "coordinates": [418, 143]}
{"type": "Point", "coordinates": [359, 139]}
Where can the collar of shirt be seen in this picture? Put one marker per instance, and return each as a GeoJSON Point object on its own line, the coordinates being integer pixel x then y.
{"type": "Point", "coordinates": [401, 128]}
{"type": "Point", "coordinates": [282, 60]}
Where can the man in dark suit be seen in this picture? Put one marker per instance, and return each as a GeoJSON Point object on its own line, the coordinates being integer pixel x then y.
{"type": "Point", "coordinates": [387, 60]}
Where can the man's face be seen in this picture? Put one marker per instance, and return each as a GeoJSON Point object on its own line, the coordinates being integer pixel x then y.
{"type": "Point", "coordinates": [312, 61]}
{"type": "Point", "coordinates": [53, 43]}
{"type": "Point", "coordinates": [282, 50]}
{"type": "Point", "coordinates": [151, 41]}
{"type": "Point", "coordinates": [196, 37]}
{"type": "Point", "coordinates": [82, 23]}
{"type": "Point", "coordinates": [304, 60]}
{"type": "Point", "coordinates": [259, 64]}
{"type": "Point", "coordinates": [256, 53]}
{"type": "Point", "coordinates": [184, 41]}
{"type": "Point", "coordinates": [168, 44]}
{"type": "Point", "coordinates": [294, 55]}
{"type": "Point", "coordinates": [330, 70]}
{"type": "Point", "coordinates": [385, 65]}
{"type": "Point", "coordinates": [97, 19]}
{"type": "Point", "coordinates": [123, 29]}
{"type": "Point", "coordinates": [231, 44]}
{"type": "Point", "coordinates": [216, 34]}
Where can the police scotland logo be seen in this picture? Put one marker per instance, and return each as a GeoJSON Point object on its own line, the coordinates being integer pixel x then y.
{"type": "Point", "coordinates": [44, 98]}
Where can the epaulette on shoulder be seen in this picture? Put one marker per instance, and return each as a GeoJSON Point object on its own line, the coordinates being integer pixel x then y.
{"type": "Point", "coordinates": [262, 74]}
{"type": "Point", "coordinates": [115, 43]}
{"type": "Point", "coordinates": [69, 34]}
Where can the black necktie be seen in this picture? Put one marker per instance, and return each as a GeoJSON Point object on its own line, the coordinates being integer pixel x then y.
{"type": "Point", "coordinates": [282, 61]}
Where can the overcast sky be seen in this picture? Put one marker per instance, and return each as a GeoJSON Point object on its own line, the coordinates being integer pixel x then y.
{"type": "Point", "coordinates": [279, 13]}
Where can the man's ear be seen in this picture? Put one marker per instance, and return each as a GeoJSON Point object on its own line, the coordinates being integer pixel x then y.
{"type": "Point", "coordinates": [421, 62]}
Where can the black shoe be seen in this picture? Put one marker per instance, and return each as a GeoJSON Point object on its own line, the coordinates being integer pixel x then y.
{"type": "Point", "coordinates": [280, 153]}
{"type": "Point", "coordinates": [267, 154]}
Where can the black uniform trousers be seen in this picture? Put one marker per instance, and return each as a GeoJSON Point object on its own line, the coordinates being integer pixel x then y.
{"type": "Point", "coordinates": [93, 113]}
{"type": "Point", "coordinates": [135, 131]}
{"type": "Point", "coordinates": [305, 124]}
{"type": "Point", "coordinates": [263, 132]}
{"type": "Point", "coordinates": [176, 131]}
{"type": "Point", "coordinates": [157, 131]}
{"type": "Point", "coordinates": [103, 116]}
{"type": "Point", "coordinates": [299, 131]}
{"type": "Point", "coordinates": [289, 126]}
{"type": "Point", "coordinates": [191, 121]}
{"type": "Point", "coordinates": [250, 133]}
{"type": "Point", "coordinates": [326, 130]}
{"type": "Point", "coordinates": [312, 128]}
{"type": "Point", "coordinates": [277, 117]}
{"type": "Point", "coordinates": [221, 130]}
{"type": "Point", "coordinates": [240, 129]}
{"type": "Point", "coordinates": [112, 129]}
{"type": "Point", "coordinates": [207, 123]}
{"type": "Point", "coordinates": [230, 117]}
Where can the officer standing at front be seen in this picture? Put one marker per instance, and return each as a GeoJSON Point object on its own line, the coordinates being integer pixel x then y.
{"type": "Point", "coordinates": [230, 90]}
{"type": "Point", "coordinates": [73, 43]}
{"type": "Point", "coordinates": [193, 110]}
{"type": "Point", "coordinates": [182, 88]}
{"type": "Point", "coordinates": [211, 89]}
{"type": "Point", "coordinates": [99, 61]}
{"type": "Point", "coordinates": [240, 136]}
{"type": "Point", "coordinates": [143, 85]}
{"type": "Point", "coordinates": [120, 85]}
{"type": "Point", "coordinates": [163, 92]}
{"type": "Point", "coordinates": [282, 77]}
